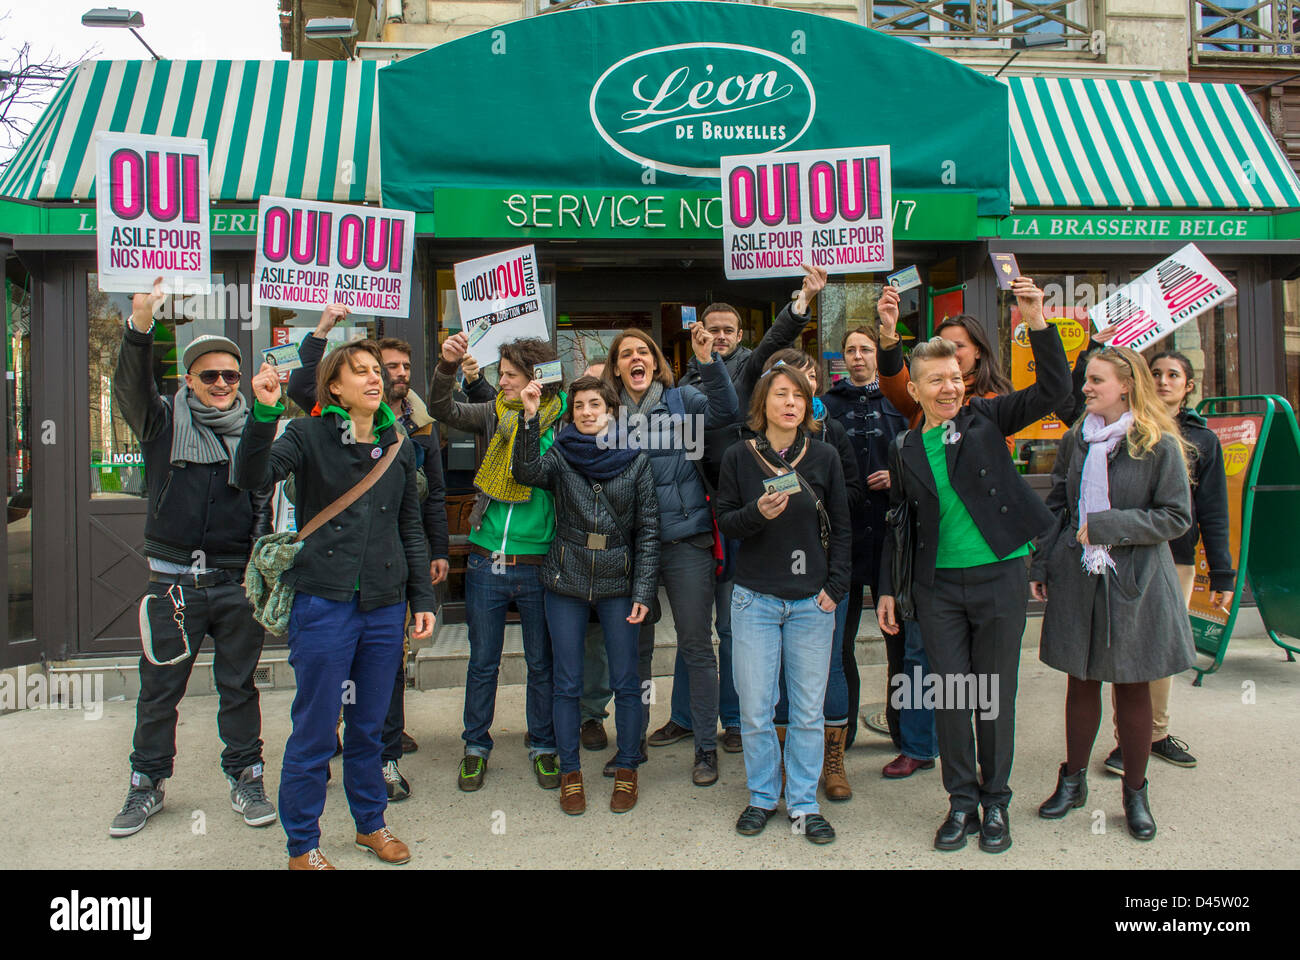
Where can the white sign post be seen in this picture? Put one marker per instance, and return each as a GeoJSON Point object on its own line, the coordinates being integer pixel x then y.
{"type": "Point", "coordinates": [826, 208]}
{"type": "Point", "coordinates": [1174, 291]}
{"type": "Point", "coordinates": [310, 254]}
{"type": "Point", "coordinates": [151, 213]}
{"type": "Point", "coordinates": [500, 300]}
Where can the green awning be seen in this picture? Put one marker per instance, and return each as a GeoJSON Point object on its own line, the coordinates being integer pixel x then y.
{"type": "Point", "coordinates": [1143, 144]}
{"type": "Point", "coordinates": [294, 128]}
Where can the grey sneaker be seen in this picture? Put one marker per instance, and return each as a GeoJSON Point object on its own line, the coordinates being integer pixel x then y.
{"type": "Point", "coordinates": [398, 788]}
{"type": "Point", "coordinates": [143, 800]}
{"type": "Point", "coordinates": [248, 796]}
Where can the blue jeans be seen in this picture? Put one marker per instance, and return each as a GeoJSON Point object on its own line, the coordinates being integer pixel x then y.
{"type": "Point", "coordinates": [916, 727]}
{"type": "Point", "coordinates": [769, 633]}
{"type": "Point", "coordinates": [339, 655]}
{"type": "Point", "coordinates": [567, 619]}
{"type": "Point", "coordinates": [487, 594]}
{"type": "Point", "coordinates": [728, 701]}
{"type": "Point", "coordinates": [836, 707]}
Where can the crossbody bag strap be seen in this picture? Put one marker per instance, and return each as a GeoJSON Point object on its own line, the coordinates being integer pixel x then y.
{"type": "Point", "coordinates": [823, 519]}
{"type": "Point", "coordinates": [623, 531]}
{"type": "Point", "coordinates": [353, 495]}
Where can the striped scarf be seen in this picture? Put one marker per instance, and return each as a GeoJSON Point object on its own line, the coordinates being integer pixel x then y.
{"type": "Point", "coordinates": [494, 477]}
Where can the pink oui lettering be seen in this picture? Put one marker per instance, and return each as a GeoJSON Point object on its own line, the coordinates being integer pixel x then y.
{"type": "Point", "coordinates": [167, 185]}
{"type": "Point", "coordinates": [377, 240]}
{"type": "Point", "coordinates": [310, 237]}
{"type": "Point", "coordinates": [768, 193]}
{"type": "Point", "coordinates": [848, 190]}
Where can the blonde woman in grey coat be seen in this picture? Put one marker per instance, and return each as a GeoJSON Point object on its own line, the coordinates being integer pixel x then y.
{"type": "Point", "coordinates": [1115, 610]}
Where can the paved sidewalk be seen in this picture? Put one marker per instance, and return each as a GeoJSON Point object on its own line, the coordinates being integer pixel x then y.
{"type": "Point", "coordinates": [63, 777]}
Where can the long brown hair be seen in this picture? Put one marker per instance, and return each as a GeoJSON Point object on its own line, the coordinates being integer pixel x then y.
{"type": "Point", "coordinates": [757, 419]}
{"type": "Point", "coordinates": [662, 372]}
{"type": "Point", "coordinates": [988, 376]}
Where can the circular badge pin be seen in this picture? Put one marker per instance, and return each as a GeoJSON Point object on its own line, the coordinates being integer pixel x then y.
{"type": "Point", "coordinates": [376, 453]}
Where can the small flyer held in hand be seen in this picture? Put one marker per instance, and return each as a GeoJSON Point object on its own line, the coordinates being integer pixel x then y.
{"type": "Point", "coordinates": [785, 483]}
{"type": "Point", "coordinates": [1006, 268]}
{"type": "Point", "coordinates": [688, 316]}
{"type": "Point", "coordinates": [284, 357]}
{"type": "Point", "coordinates": [549, 372]}
{"type": "Point", "coordinates": [905, 279]}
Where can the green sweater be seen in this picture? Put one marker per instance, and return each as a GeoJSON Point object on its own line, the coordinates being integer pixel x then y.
{"type": "Point", "coordinates": [527, 527]}
{"type": "Point", "coordinates": [960, 542]}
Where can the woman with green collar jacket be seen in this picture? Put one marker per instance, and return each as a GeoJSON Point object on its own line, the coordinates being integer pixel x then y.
{"type": "Point", "coordinates": [354, 579]}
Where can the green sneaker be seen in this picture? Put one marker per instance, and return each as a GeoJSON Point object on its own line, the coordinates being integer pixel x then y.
{"type": "Point", "coordinates": [472, 769]}
{"type": "Point", "coordinates": [547, 768]}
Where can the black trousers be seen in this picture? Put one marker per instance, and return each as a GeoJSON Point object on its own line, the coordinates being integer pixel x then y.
{"type": "Point", "coordinates": [893, 662]}
{"type": "Point", "coordinates": [972, 621]}
{"type": "Point", "coordinates": [395, 721]}
{"type": "Point", "coordinates": [221, 612]}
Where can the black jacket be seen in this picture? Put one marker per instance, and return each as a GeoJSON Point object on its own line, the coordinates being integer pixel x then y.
{"type": "Point", "coordinates": [191, 508]}
{"type": "Point", "coordinates": [746, 365]}
{"type": "Point", "coordinates": [1210, 522]}
{"type": "Point", "coordinates": [871, 422]}
{"type": "Point", "coordinates": [1005, 508]}
{"type": "Point", "coordinates": [433, 511]}
{"type": "Point", "coordinates": [572, 568]}
{"type": "Point", "coordinates": [783, 557]}
{"type": "Point", "coordinates": [376, 546]}
{"type": "Point", "coordinates": [834, 434]}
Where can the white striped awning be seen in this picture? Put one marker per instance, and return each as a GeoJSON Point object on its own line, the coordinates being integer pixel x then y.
{"type": "Point", "coordinates": [1127, 143]}
{"type": "Point", "coordinates": [293, 128]}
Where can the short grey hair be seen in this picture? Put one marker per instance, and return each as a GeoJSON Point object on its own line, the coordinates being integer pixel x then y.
{"type": "Point", "coordinates": [936, 348]}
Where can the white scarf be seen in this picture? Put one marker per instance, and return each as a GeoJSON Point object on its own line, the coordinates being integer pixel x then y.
{"type": "Point", "coordinates": [1094, 486]}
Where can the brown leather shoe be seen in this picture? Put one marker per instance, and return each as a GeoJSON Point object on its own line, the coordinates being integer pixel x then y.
{"type": "Point", "coordinates": [311, 860]}
{"type": "Point", "coordinates": [573, 800]}
{"type": "Point", "coordinates": [834, 782]}
{"type": "Point", "coordinates": [593, 736]}
{"type": "Point", "coordinates": [731, 740]}
{"type": "Point", "coordinates": [904, 766]}
{"type": "Point", "coordinates": [623, 798]}
{"type": "Point", "coordinates": [384, 845]}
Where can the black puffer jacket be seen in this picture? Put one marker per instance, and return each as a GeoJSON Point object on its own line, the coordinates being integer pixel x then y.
{"type": "Point", "coordinates": [572, 568]}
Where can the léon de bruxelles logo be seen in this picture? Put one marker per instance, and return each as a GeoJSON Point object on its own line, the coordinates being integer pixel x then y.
{"type": "Point", "coordinates": [679, 108]}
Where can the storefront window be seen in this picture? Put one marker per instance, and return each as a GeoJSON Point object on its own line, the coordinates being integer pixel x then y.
{"type": "Point", "coordinates": [1291, 341]}
{"type": "Point", "coordinates": [116, 461]}
{"type": "Point", "coordinates": [850, 301]}
{"type": "Point", "coordinates": [18, 345]}
{"type": "Point", "coordinates": [1211, 343]}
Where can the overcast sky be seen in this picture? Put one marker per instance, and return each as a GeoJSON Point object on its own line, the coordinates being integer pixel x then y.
{"type": "Point", "coordinates": [177, 29]}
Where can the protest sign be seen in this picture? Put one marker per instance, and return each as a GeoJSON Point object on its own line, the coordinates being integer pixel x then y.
{"type": "Point", "coordinates": [827, 208]}
{"type": "Point", "coordinates": [500, 300]}
{"type": "Point", "coordinates": [1238, 436]}
{"type": "Point", "coordinates": [1174, 291]}
{"type": "Point", "coordinates": [310, 254]}
{"type": "Point", "coordinates": [1074, 337]}
{"type": "Point", "coordinates": [151, 206]}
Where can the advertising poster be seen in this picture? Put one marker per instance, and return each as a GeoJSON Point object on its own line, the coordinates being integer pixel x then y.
{"type": "Point", "coordinates": [1178, 289]}
{"type": "Point", "coordinates": [826, 208]}
{"type": "Point", "coordinates": [151, 208]}
{"type": "Point", "coordinates": [500, 300]}
{"type": "Point", "coordinates": [1074, 337]}
{"type": "Point", "coordinates": [1238, 436]}
{"type": "Point", "coordinates": [310, 254]}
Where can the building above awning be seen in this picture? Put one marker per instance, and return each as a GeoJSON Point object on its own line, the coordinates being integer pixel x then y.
{"type": "Point", "coordinates": [1105, 144]}
{"type": "Point", "coordinates": [293, 128]}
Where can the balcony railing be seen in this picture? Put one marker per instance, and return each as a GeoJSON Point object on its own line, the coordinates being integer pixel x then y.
{"type": "Point", "coordinates": [1234, 29]}
{"type": "Point", "coordinates": [982, 22]}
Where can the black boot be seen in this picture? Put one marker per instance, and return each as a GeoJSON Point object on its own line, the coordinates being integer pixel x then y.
{"type": "Point", "coordinates": [1137, 811]}
{"type": "Point", "coordinates": [1071, 792]}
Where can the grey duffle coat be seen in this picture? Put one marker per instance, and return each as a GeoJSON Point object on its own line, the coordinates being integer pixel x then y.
{"type": "Point", "coordinates": [1127, 625]}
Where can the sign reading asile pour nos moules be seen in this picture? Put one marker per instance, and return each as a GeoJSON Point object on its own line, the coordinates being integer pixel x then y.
{"type": "Point", "coordinates": [311, 254]}
{"type": "Point", "coordinates": [826, 208]}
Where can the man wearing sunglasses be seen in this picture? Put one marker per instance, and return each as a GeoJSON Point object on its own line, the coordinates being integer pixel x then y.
{"type": "Point", "coordinates": [198, 533]}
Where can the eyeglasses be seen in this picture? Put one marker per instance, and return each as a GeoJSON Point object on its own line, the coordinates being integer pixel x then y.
{"type": "Point", "coordinates": [209, 377]}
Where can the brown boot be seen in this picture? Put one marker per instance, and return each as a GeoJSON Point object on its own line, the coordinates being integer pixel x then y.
{"type": "Point", "coordinates": [623, 798]}
{"type": "Point", "coordinates": [573, 800]}
{"type": "Point", "coordinates": [384, 845]}
{"type": "Point", "coordinates": [313, 859]}
{"type": "Point", "coordinates": [780, 740]}
{"type": "Point", "coordinates": [834, 782]}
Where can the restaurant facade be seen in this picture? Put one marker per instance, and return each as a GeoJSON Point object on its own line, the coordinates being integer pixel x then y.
{"type": "Point", "coordinates": [595, 134]}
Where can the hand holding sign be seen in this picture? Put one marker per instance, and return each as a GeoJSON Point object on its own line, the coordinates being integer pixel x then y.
{"type": "Point", "coordinates": [1105, 333]}
{"type": "Point", "coordinates": [469, 367]}
{"type": "Point", "coordinates": [1030, 301]}
{"type": "Point", "coordinates": [331, 315]}
{"type": "Point", "coordinates": [812, 285]}
{"type": "Point", "coordinates": [144, 305]}
{"type": "Point", "coordinates": [454, 347]}
{"type": "Point", "coordinates": [266, 386]}
{"type": "Point", "coordinates": [701, 342]}
{"type": "Point", "coordinates": [887, 314]}
{"type": "Point", "coordinates": [531, 397]}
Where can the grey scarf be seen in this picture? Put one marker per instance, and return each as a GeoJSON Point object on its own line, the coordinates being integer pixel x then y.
{"type": "Point", "coordinates": [654, 393]}
{"type": "Point", "coordinates": [202, 434]}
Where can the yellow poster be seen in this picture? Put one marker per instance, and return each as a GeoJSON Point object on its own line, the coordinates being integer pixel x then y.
{"type": "Point", "coordinates": [1074, 336]}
